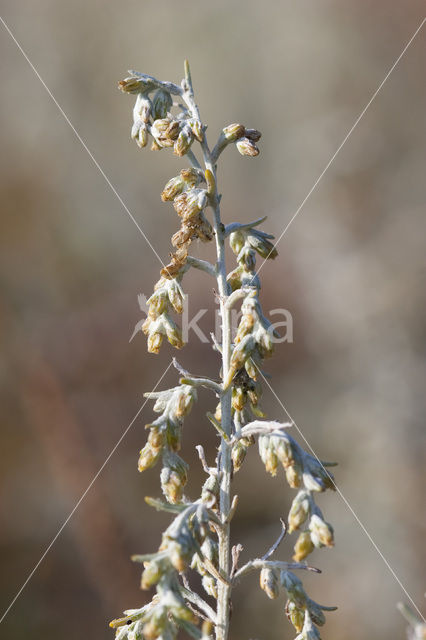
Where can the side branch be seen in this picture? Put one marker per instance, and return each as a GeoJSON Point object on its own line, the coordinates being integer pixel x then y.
{"type": "Point", "coordinates": [203, 265]}
{"type": "Point", "coordinates": [258, 563]}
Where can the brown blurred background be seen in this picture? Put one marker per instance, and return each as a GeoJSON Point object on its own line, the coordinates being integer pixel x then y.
{"type": "Point", "coordinates": [351, 270]}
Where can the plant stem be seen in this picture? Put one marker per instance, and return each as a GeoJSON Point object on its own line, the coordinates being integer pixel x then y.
{"type": "Point", "coordinates": [224, 459]}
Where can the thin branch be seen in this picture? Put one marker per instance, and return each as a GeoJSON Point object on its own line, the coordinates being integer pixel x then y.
{"type": "Point", "coordinates": [237, 295]}
{"type": "Point", "coordinates": [277, 542]}
{"type": "Point", "coordinates": [237, 226]}
{"type": "Point", "coordinates": [202, 382]}
{"type": "Point", "coordinates": [220, 146]}
{"type": "Point", "coordinates": [193, 159]}
{"type": "Point", "coordinates": [197, 600]}
{"type": "Point", "coordinates": [259, 427]}
{"type": "Point", "coordinates": [178, 367]}
{"type": "Point", "coordinates": [232, 510]}
{"type": "Point", "coordinates": [209, 470]}
{"type": "Point", "coordinates": [203, 265]}
{"type": "Point", "coordinates": [171, 87]}
{"type": "Point", "coordinates": [258, 563]}
{"type": "Point", "coordinates": [216, 344]}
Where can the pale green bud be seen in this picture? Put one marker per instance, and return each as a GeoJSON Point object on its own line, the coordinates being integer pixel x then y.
{"type": "Point", "coordinates": [148, 457]}
{"type": "Point", "coordinates": [134, 84]}
{"type": "Point", "coordinates": [295, 614]}
{"type": "Point", "coordinates": [233, 132]}
{"type": "Point", "coordinates": [269, 582]}
{"type": "Point", "coordinates": [236, 241]}
{"type": "Point", "coordinates": [184, 141]}
{"type": "Point", "coordinates": [322, 534]}
{"type": "Point", "coordinates": [197, 130]}
{"type": "Point", "coordinates": [309, 631]}
{"type": "Point", "coordinates": [161, 103]}
{"type": "Point", "coordinates": [173, 188]}
{"type": "Point", "coordinates": [299, 511]}
{"type": "Point", "coordinates": [247, 148]}
{"type": "Point", "coordinates": [294, 587]}
{"type": "Point", "coordinates": [209, 585]}
{"type": "Point", "coordinates": [303, 547]}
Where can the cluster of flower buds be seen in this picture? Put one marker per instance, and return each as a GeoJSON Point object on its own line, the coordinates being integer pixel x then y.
{"type": "Point", "coordinates": [299, 466]}
{"type": "Point", "coordinates": [186, 538]}
{"type": "Point", "coordinates": [301, 610]}
{"type": "Point", "coordinates": [244, 139]}
{"type": "Point", "coordinates": [317, 532]}
{"type": "Point", "coordinates": [254, 340]}
{"type": "Point", "coordinates": [189, 200]}
{"type": "Point", "coordinates": [209, 551]}
{"type": "Point", "coordinates": [151, 115]}
{"type": "Point", "coordinates": [164, 439]}
{"type": "Point", "coordinates": [245, 242]}
{"type": "Point", "coordinates": [167, 297]}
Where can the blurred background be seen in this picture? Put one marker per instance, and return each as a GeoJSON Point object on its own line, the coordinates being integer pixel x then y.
{"type": "Point", "coordinates": [351, 271]}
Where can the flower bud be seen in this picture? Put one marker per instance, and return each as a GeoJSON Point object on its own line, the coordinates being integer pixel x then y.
{"type": "Point", "coordinates": [303, 547]}
{"type": "Point", "coordinates": [156, 438]}
{"type": "Point", "coordinates": [197, 130]}
{"type": "Point", "coordinates": [148, 457]}
{"type": "Point", "coordinates": [233, 132]}
{"type": "Point", "coordinates": [139, 133]}
{"type": "Point", "coordinates": [294, 587]}
{"type": "Point", "coordinates": [293, 476]}
{"type": "Point", "coordinates": [161, 103]}
{"type": "Point", "coordinates": [173, 435]}
{"type": "Point", "coordinates": [295, 614]}
{"type": "Point", "coordinates": [238, 455]}
{"type": "Point", "coordinates": [239, 355]}
{"type": "Point", "coordinates": [173, 477]}
{"type": "Point", "coordinates": [234, 278]}
{"type": "Point", "coordinates": [151, 575]}
{"type": "Point", "coordinates": [210, 489]}
{"type": "Point", "coordinates": [236, 241]}
{"type": "Point", "coordinates": [173, 333]}
{"type": "Point", "coordinates": [269, 582]}
{"type": "Point", "coordinates": [259, 242]}
{"type": "Point", "coordinates": [142, 109]}
{"type": "Point", "coordinates": [172, 131]}
{"type": "Point", "coordinates": [134, 84]}
{"type": "Point", "coordinates": [299, 511]}
{"type": "Point", "coordinates": [176, 295]}
{"type": "Point", "coordinates": [268, 455]}
{"type": "Point", "coordinates": [210, 585]}
{"type": "Point", "coordinates": [322, 534]}
{"type": "Point", "coordinates": [191, 176]}
{"type": "Point", "coordinates": [309, 631]}
{"type": "Point", "coordinates": [184, 141]}
{"type": "Point", "coordinates": [190, 203]}
{"type": "Point", "coordinates": [247, 148]}
{"type": "Point", "coordinates": [253, 135]}
{"type": "Point", "coordinates": [173, 188]}
{"type": "Point", "coordinates": [178, 559]}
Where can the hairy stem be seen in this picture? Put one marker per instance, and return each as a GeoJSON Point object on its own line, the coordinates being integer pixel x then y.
{"type": "Point", "coordinates": [224, 460]}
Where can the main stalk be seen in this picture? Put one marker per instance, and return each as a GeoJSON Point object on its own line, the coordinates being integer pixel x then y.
{"type": "Point", "coordinates": [224, 458]}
